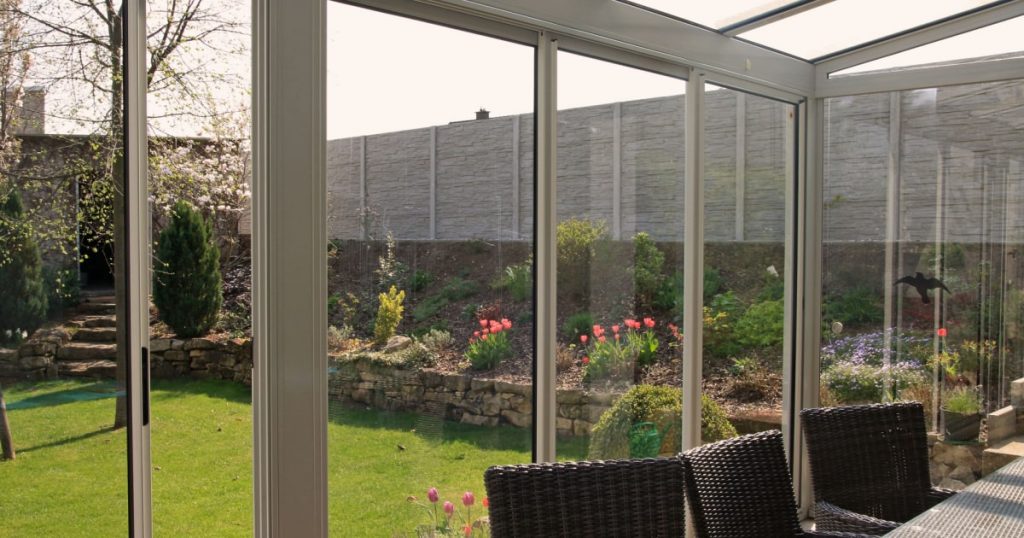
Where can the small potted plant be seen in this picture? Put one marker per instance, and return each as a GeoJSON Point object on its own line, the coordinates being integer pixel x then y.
{"type": "Point", "coordinates": [961, 414]}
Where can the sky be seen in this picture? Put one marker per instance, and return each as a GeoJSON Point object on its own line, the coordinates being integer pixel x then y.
{"type": "Point", "coordinates": [387, 73]}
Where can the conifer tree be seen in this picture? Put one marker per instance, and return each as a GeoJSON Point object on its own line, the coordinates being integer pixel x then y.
{"type": "Point", "coordinates": [23, 299]}
{"type": "Point", "coordinates": [186, 273]}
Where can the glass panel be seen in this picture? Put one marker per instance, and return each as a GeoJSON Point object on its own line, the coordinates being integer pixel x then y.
{"type": "Point", "coordinates": [922, 230]}
{"type": "Point", "coordinates": [842, 24]}
{"type": "Point", "coordinates": [620, 229]}
{"type": "Point", "coordinates": [748, 162]}
{"type": "Point", "coordinates": [998, 41]}
{"type": "Point", "coordinates": [716, 15]}
{"type": "Point", "coordinates": [60, 344]}
{"type": "Point", "coordinates": [201, 335]}
{"type": "Point", "coordinates": [430, 222]}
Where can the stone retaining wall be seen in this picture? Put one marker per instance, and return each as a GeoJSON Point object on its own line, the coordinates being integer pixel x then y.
{"type": "Point", "coordinates": [202, 358]}
{"type": "Point", "coordinates": [459, 397]}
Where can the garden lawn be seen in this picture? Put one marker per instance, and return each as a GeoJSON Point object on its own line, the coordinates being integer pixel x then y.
{"type": "Point", "coordinates": [69, 477]}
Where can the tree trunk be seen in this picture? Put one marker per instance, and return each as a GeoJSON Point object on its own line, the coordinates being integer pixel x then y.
{"type": "Point", "coordinates": [6, 442]}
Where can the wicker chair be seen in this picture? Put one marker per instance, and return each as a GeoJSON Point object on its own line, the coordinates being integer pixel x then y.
{"type": "Point", "coordinates": [741, 487]}
{"type": "Point", "coordinates": [587, 498]}
{"type": "Point", "coordinates": [869, 465]}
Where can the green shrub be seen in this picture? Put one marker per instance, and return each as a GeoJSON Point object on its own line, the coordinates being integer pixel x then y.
{"type": "Point", "coordinates": [670, 295]}
{"type": "Point", "coordinates": [436, 340]}
{"type": "Point", "coordinates": [186, 273]}
{"type": "Point", "coordinates": [337, 337]}
{"type": "Point", "coordinates": [518, 280]}
{"type": "Point", "coordinates": [773, 288]}
{"type": "Point", "coordinates": [575, 239]}
{"type": "Point", "coordinates": [727, 302]}
{"type": "Point", "coordinates": [671, 291]}
{"type": "Point", "coordinates": [389, 315]}
{"type": "Point", "coordinates": [63, 289]}
{"type": "Point", "coordinates": [576, 325]}
{"type": "Point", "coordinates": [761, 326]}
{"type": "Point", "coordinates": [420, 280]}
{"type": "Point", "coordinates": [455, 289]}
{"type": "Point", "coordinates": [661, 405]}
{"type": "Point", "coordinates": [713, 282]}
{"type": "Point", "coordinates": [489, 346]}
{"type": "Point", "coordinates": [23, 301]}
{"type": "Point", "coordinates": [648, 262]}
{"type": "Point", "coordinates": [858, 306]}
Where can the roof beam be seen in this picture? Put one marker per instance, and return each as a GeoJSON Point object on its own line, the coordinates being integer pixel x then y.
{"type": "Point", "coordinates": [923, 35]}
{"type": "Point", "coordinates": [628, 27]}
{"type": "Point", "coordinates": [769, 17]}
{"type": "Point", "coordinates": [925, 77]}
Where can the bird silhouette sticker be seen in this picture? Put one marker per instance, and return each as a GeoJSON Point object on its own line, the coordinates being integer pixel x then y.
{"type": "Point", "coordinates": [922, 285]}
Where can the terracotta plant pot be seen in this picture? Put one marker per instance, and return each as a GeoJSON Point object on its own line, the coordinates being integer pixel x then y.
{"type": "Point", "coordinates": [959, 427]}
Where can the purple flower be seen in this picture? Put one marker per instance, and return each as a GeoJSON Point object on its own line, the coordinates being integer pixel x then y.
{"type": "Point", "coordinates": [468, 499]}
{"type": "Point", "coordinates": [449, 508]}
{"type": "Point", "coordinates": [432, 495]}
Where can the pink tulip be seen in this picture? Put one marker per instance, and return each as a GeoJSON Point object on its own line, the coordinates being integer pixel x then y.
{"type": "Point", "coordinates": [506, 323]}
{"type": "Point", "coordinates": [468, 499]}
{"type": "Point", "coordinates": [615, 329]}
{"type": "Point", "coordinates": [649, 322]}
{"type": "Point", "coordinates": [601, 339]}
{"type": "Point", "coordinates": [583, 339]}
{"type": "Point", "coordinates": [449, 508]}
{"type": "Point", "coordinates": [484, 336]}
{"type": "Point", "coordinates": [598, 330]}
{"type": "Point", "coordinates": [483, 324]}
{"type": "Point", "coordinates": [432, 495]}
{"type": "Point", "coordinates": [476, 334]}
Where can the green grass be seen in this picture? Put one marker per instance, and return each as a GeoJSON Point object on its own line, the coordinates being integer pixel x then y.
{"type": "Point", "coordinates": [69, 478]}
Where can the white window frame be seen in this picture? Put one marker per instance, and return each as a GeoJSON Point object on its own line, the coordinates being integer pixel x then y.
{"type": "Point", "coordinates": [289, 199]}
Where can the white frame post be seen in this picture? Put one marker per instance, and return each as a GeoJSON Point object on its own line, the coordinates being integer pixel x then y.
{"type": "Point", "coordinates": [545, 285]}
{"type": "Point", "coordinates": [807, 295]}
{"type": "Point", "coordinates": [289, 269]}
{"type": "Point", "coordinates": [693, 260]}
{"type": "Point", "coordinates": [137, 239]}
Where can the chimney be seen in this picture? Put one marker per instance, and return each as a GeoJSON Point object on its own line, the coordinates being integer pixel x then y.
{"type": "Point", "coordinates": [483, 114]}
{"type": "Point", "coordinates": [30, 117]}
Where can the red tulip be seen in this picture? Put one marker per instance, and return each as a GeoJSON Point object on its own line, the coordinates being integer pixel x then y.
{"type": "Point", "coordinates": [586, 360]}
{"type": "Point", "coordinates": [583, 338]}
{"type": "Point", "coordinates": [506, 323]}
{"type": "Point", "coordinates": [649, 322]}
{"type": "Point", "coordinates": [483, 324]}
{"type": "Point", "coordinates": [941, 332]}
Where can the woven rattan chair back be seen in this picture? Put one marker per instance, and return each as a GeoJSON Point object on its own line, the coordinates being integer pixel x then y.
{"type": "Point", "coordinates": [622, 498]}
{"type": "Point", "coordinates": [741, 487]}
{"type": "Point", "coordinates": [870, 459]}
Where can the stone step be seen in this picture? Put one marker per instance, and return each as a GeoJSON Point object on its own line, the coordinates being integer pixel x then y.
{"type": "Point", "coordinates": [86, 351]}
{"type": "Point", "coordinates": [99, 321]}
{"type": "Point", "coordinates": [1001, 453]}
{"type": "Point", "coordinates": [96, 308]}
{"type": "Point", "coordinates": [88, 368]}
{"type": "Point", "coordinates": [96, 334]}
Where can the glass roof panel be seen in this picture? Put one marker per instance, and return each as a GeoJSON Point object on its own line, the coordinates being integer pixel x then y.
{"type": "Point", "coordinates": [1000, 39]}
{"type": "Point", "coordinates": [715, 14]}
{"type": "Point", "coordinates": [843, 24]}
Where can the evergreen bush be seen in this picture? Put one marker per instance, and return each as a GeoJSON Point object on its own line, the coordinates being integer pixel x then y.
{"type": "Point", "coordinates": [389, 315]}
{"type": "Point", "coordinates": [648, 262]}
{"type": "Point", "coordinates": [23, 300]}
{"type": "Point", "coordinates": [658, 404]}
{"type": "Point", "coordinates": [186, 273]}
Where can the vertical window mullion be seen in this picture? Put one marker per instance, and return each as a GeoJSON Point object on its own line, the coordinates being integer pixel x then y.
{"type": "Point", "coordinates": [545, 244]}
{"type": "Point", "coordinates": [693, 261]}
